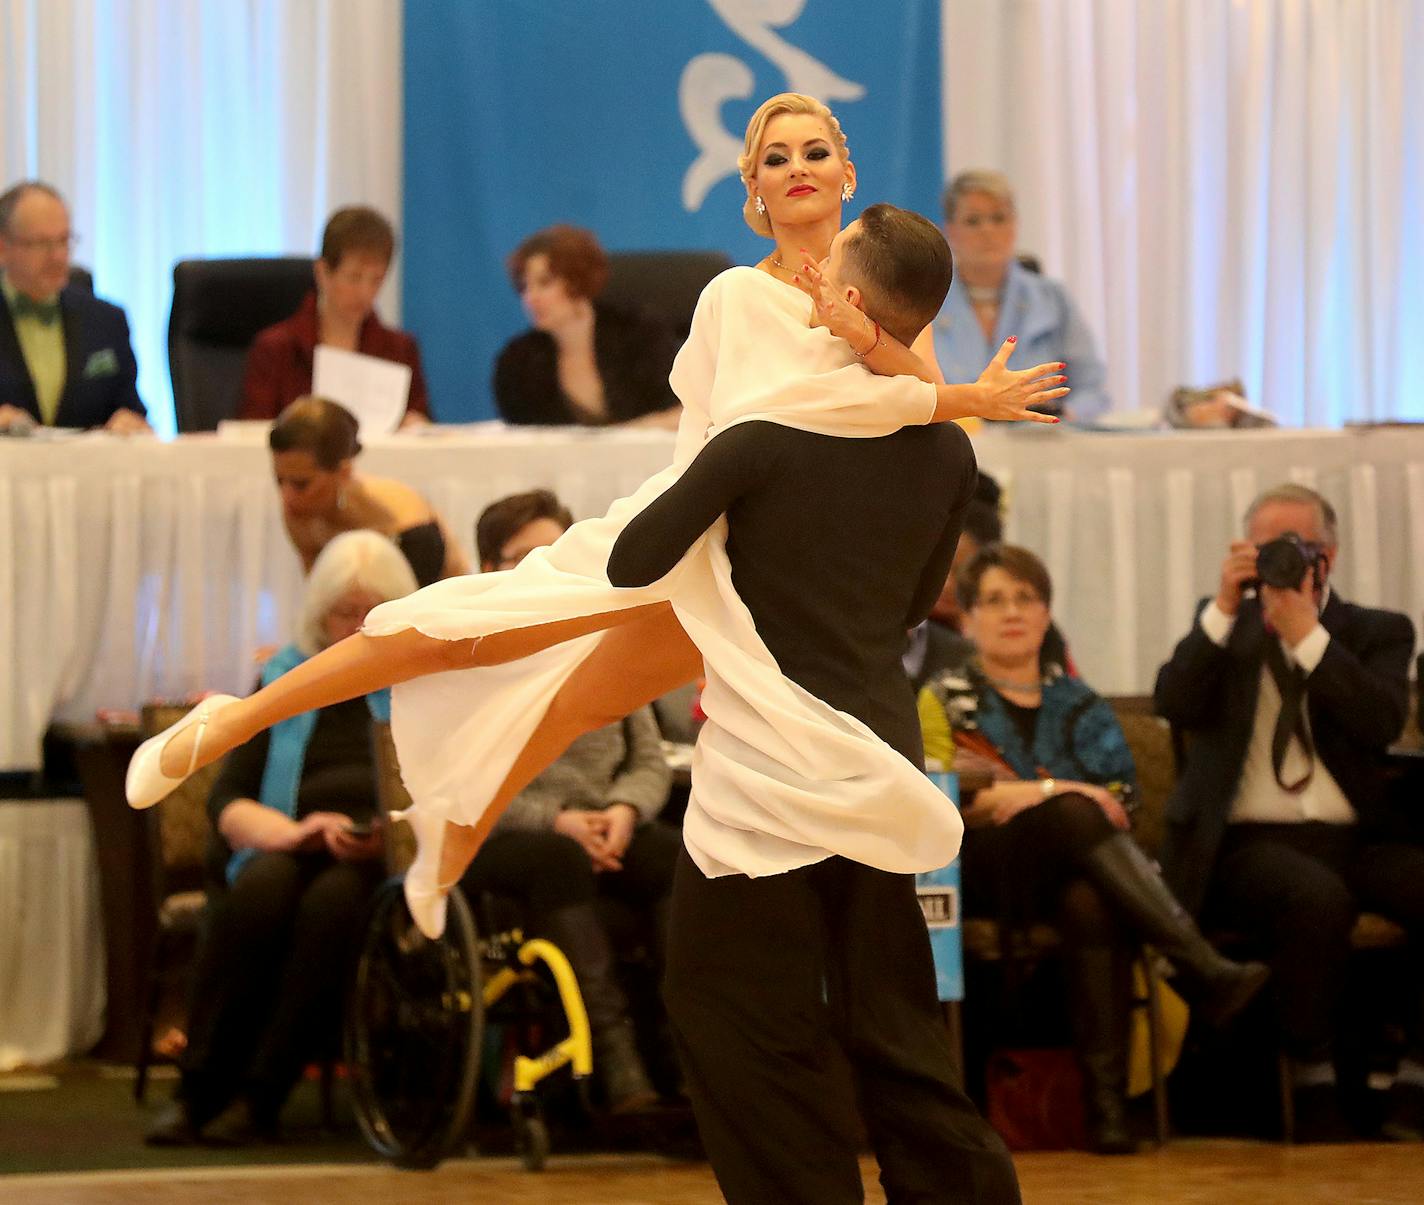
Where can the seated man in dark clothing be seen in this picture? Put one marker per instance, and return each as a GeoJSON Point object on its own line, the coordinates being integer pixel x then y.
{"type": "Point", "coordinates": [1279, 828]}
{"type": "Point", "coordinates": [799, 996]}
{"type": "Point", "coordinates": [65, 355]}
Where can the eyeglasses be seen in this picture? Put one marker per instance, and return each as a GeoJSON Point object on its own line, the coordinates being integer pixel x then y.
{"type": "Point", "coordinates": [974, 221]}
{"type": "Point", "coordinates": [1022, 601]}
{"type": "Point", "coordinates": [65, 242]}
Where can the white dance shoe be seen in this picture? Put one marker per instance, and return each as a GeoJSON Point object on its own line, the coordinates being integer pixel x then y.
{"type": "Point", "coordinates": [146, 783]}
{"type": "Point", "coordinates": [425, 895]}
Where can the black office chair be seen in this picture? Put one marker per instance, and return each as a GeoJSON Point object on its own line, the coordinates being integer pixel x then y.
{"type": "Point", "coordinates": [219, 305]}
{"type": "Point", "coordinates": [661, 285]}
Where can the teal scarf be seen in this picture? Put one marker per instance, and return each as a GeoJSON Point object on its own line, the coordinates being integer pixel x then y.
{"type": "Point", "coordinates": [287, 749]}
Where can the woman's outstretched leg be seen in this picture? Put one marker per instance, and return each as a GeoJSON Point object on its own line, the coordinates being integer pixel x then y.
{"type": "Point", "coordinates": [635, 663]}
{"type": "Point", "coordinates": [361, 664]}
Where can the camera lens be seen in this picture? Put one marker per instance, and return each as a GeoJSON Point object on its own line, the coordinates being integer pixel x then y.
{"type": "Point", "coordinates": [1282, 562]}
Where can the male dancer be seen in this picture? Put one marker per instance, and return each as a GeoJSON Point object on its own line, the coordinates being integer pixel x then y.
{"type": "Point", "coordinates": [795, 996]}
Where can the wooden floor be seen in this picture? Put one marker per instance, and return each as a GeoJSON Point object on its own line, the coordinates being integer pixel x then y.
{"type": "Point", "coordinates": [1185, 1173]}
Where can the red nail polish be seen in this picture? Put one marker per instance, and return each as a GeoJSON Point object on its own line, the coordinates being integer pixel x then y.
{"type": "Point", "coordinates": [1013, 338]}
{"type": "Point", "coordinates": [1057, 420]}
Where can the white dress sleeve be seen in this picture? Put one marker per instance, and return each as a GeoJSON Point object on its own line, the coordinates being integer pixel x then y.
{"type": "Point", "coordinates": [752, 354]}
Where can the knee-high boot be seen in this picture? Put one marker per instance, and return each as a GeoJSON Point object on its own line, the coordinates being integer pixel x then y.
{"type": "Point", "coordinates": [1099, 987]}
{"type": "Point", "coordinates": [1218, 987]}
{"type": "Point", "coordinates": [579, 933]}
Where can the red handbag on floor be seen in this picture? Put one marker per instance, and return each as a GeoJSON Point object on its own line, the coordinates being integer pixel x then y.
{"type": "Point", "coordinates": [1036, 1100]}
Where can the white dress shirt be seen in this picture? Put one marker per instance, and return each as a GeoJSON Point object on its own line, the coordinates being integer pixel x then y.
{"type": "Point", "coordinates": [1260, 799]}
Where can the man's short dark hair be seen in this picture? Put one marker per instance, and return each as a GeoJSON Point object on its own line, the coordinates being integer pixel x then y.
{"type": "Point", "coordinates": [10, 199]}
{"type": "Point", "coordinates": [902, 266]}
{"type": "Point", "coordinates": [501, 521]}
{"type": "Point", "coordinates": [357, 228]}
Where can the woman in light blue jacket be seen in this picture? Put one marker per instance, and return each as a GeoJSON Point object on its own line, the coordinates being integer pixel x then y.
{"type": "Point", "coordinates": [994, 296]}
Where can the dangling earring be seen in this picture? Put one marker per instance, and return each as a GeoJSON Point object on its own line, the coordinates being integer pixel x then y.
{"type": "Point", "coordinates": [847, 192]}
{"type": "Point", "coordinates": [760, 206]}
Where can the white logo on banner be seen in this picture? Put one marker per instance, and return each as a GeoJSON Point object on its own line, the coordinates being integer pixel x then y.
{"type": "Point", "coordinates": [710, 80]}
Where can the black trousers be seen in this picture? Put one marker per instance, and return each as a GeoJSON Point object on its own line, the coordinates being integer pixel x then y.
{"type": "Point", "coordinates": [1294, 891]}
{"type": "Point", "coordinates": [271, 978]}
{"type": "Point", "coordinates": [1031, 869]}
{"type": "Point", "coordinates": [800, 1000]}
{"type": "Point", "coordinates": [548, 871]}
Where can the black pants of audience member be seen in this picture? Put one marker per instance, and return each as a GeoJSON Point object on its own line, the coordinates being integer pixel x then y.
{"type": "Point", "coordinates": [1030, 869]}
{"type": "Point", "coordinates": [1294, 891]}
{"type": "Point", "coordinates": [271, 980]}
{"type": "Point", "coordinates": [548, 871]}
{"type": "Point", "coordinates": [800, 1001]}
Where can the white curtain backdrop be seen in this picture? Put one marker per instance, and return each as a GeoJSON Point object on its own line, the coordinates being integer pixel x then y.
{"type": "Point", "coordinates": [189, 128]}
{"type": "Point", "coordinates": [1228, 187]}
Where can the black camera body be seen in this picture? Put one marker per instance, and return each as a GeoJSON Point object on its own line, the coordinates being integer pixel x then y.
{"type": "Point", "coordinates": [1282, 562]}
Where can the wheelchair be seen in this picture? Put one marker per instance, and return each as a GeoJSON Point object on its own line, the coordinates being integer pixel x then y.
{"type": "Point", "coordinates": [416, 1019]}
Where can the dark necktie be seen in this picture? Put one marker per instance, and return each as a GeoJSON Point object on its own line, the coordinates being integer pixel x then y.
{"type": "Point", "coordinates": [1290, 681]}
{"type": "Point", "coordinates": [44, 312]}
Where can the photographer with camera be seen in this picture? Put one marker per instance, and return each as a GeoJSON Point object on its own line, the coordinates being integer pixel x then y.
{"type": "Point", "coordinates": [1280, 828]}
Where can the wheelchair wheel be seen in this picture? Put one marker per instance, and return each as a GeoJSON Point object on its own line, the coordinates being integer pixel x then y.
{"type": "Point", "coordinates": [414, 1031]}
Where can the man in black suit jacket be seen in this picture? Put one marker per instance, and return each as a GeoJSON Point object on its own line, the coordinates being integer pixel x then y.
{"type": "Point", "coordinates": [1281, 828]}
{"type": "Point", "coordinates": [65, 356]}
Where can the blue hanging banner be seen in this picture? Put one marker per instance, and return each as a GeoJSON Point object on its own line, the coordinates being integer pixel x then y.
{"type": "Point", "coordinates": [627, 118]}
{"type": "Point", "coordinates": [938, 891]}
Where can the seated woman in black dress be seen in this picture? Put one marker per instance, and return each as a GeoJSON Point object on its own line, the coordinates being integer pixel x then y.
{"type": "Point", "coordinates": [314, 449]}
{"type": "Point", "coordinates": [584, 362]}
{"type": "Point", "coordinates": [1048, 839]}
{"type": "Point", "coordinates": [295, 863]}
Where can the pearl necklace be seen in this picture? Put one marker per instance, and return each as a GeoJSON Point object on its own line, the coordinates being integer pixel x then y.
{"type": "Point", "coordinates": [982, 294]}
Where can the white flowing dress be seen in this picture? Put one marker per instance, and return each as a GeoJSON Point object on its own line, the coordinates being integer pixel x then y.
{"type": "Point", "coordinates": [780, 779]}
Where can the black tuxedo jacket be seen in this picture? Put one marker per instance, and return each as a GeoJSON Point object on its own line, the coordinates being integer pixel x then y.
{"type": "Point", "coordinates": [1357, 699]}
{"type": "Point", "coordinates": [100, 370]}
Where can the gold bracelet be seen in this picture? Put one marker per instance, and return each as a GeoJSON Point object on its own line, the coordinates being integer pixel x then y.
{"type": "Point", "coordinates": [860, 355]}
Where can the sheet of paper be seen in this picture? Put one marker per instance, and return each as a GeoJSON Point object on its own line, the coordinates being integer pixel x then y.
{"type": "Point", "coordinates": [374, 390]}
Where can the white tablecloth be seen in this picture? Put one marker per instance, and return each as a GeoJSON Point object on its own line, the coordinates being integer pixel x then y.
{"type": "Point", "coordinates": [131, 568]}
{"type": "Point", "coordinates": [51, 937]}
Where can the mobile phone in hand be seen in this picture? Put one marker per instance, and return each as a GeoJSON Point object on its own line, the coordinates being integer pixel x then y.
{"type": "Point", "coordinates": [363, 829]}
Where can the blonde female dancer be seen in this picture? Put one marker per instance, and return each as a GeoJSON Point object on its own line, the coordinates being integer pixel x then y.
{"type": "Point", "coordinates": [496, 674]}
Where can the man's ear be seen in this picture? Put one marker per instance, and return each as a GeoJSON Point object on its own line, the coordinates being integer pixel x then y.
{"type": "Point", "coordinates": [855, 297]}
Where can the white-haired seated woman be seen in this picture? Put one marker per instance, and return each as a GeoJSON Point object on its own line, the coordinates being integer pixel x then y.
{"type": "Point", "coordinates": [297, 860]}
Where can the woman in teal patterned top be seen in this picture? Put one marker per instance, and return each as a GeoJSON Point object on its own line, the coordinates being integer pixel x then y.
{"type": "Point", "coordinates": [1048, 839]}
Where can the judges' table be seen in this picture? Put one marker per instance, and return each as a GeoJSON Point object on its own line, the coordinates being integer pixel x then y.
{"type": "Point", "coordinates": [134, 568]}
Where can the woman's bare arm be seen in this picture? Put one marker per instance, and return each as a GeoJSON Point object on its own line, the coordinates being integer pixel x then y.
{"type": "Point", "coordinates": [1000, 393]}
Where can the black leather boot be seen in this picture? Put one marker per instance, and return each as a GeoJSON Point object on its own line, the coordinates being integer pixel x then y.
{"type": "Point", "coordinates": [1216, 986]}
{"type": "Point", "coordinates": [1099, 989]}
{"type": "Point", "coordinates": [579, 933]}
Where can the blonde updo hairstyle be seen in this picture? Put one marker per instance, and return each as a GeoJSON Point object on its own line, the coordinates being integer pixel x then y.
{"type": "Point", "coordinates": [785, 102]}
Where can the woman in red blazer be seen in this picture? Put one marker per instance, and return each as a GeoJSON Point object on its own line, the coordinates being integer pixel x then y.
{"type": "Point", "coordinates": [356, 250]}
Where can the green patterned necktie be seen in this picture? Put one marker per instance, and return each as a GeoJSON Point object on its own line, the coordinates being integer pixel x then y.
{"type": "Point", "coordinates": [45, 313]}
